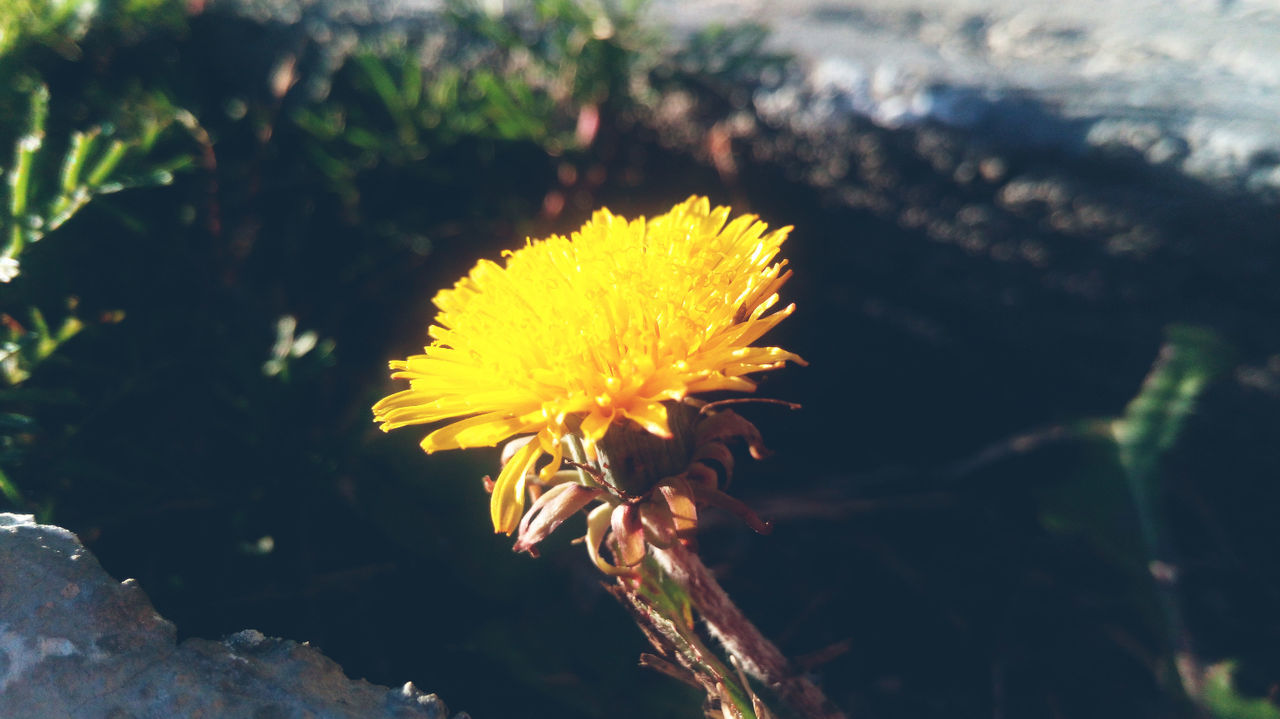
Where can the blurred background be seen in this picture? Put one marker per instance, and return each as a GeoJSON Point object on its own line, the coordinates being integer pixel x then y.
{"type": "Point", "coordinates": [1037, 467]}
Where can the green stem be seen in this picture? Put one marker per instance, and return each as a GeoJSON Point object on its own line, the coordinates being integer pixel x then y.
{"type": "Point", "coordinates": [579, 455]}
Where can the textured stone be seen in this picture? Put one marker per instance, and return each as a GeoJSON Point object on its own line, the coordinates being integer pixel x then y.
{"type": "Point", "coordinates": [1190, 83]}
{"type": "Point", "coordinates": [75, 643]}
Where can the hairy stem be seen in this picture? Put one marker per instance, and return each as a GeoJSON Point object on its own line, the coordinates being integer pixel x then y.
{"type": "Point", "coordinates": [756, 655]}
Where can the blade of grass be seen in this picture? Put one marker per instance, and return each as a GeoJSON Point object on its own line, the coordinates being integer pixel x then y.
{"type": "Point", "coordinates": [1189, 360]}
{"type": "Point", "coordinates": [10, 491]}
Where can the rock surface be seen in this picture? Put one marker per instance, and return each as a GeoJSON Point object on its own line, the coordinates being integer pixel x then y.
{"type": "Point", "coordinates": [75, 643]}
{"type": "Point", "coordinates": [1194, 84]}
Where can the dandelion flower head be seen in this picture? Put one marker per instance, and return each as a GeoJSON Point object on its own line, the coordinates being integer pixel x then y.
{"type": "Point", "coordinates": [576, 334]}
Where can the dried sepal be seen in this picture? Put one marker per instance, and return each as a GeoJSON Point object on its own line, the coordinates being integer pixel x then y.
{"type": "Point", "coordinates": [598, 521]}
{"type": "Point", "coordinates": [716, 498]}
{"type": "Point", "coordinates": [701, 471]}
{"type": "Point", "coordinates": [678, 497]}
{"type": "Point", "coordinates": [510, 448]}
{"type": "Point", "coordinates": [665, 514]}
{"type": "Point", "coordinates": [727, 425]}
{"type": "Point", "coordinates": [657, 524]}
{"type": "Point", "coordinates": [550, 511]}
{"type": "Point", "coordinates": [628, 535]}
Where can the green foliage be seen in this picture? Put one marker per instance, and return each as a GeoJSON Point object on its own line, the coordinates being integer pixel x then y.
{"type": "Point", "coordinates": [1093, 501]}
{"type": "Point", "coordinates": [46, 187]}
{"type": "Point", "coordinates": [1189, 360]}
{"type": "Point", "coordinates": [1224, 701]}
{"type": "Point", "coordinates": [24, 347]}
{"type": "Point", "coordinates": [728, 54]}
{"type": "Point", "coordinates": [55, 173]}
{"type": "Point", "coordinates": [290, 348]}
{"type": "Point", "coordinates": [1114, 500]}
{"type": "Point", "coordinates": [525, 78]}
{"type": "Point", "coordinates": [59, 24]}
{"type": "Point", "coordinates": [587, 52]}
{"type": "Point", "coordinates": [398, 117]}
{"type": "Point", "coordinates": [21, 350]}
{"type": "Point", "coordinates": [1117, 500]}
{"type": "Point", "coordinates": [48, 184]}
{"type": "Point", "coordinates": [62, 24]}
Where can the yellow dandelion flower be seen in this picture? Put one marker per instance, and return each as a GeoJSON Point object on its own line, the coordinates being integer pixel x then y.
{"type": "Point", "coordinates": [578, 334]}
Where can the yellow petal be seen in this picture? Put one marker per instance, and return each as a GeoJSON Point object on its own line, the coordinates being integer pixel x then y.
{"type": "Point", "coordinates": [485, 430]}
{"type": "Point", "coordinates": [653, 417]}
{"type": "Point", "coordinates": [507, 504]}
{"type": "Point", "coordinates": [553, 446]}
{"type": "Point", "coordinates": [596, 424]}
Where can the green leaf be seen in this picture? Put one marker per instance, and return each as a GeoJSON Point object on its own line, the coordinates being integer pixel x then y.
{"type": "Point", "coordinates": [1112, 498]}
{"type": "Point", "coordinates": [1190, 358]}
{"type": "Point", "coordinates": [1222, 699]}
{"type": "Point", "coordinates": [411, 81]}
{"type": "Point", "coordinates": [81, 145]}
{"type": "Point", "coordinates": [11, 422]}
{"type": "Point", "coordinates": [10, 491]}
{"type": "Point", "coordinates": [24, 156]}
{"type": "Point", "coordinates": [1092, 500]}
{"type": "Point", "coordinates": [107, 163]}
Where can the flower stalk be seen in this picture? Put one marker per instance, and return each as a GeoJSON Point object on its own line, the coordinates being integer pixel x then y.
{"type": "Point", "coordinates": [753, 652]}
{"type": "Point", "coordinates": [671, 586]}
{"type": "Point", "coordinates": [663, 611]}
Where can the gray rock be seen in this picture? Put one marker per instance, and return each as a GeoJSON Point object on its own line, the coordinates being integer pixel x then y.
{"type": "Point", "coordinates": [75, 643]}
{"type": "Point", "coordinates": [1192, 83]}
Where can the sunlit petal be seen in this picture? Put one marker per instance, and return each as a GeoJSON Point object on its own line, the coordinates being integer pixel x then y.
{"type": "Point", "coordinates": [507, 503]}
